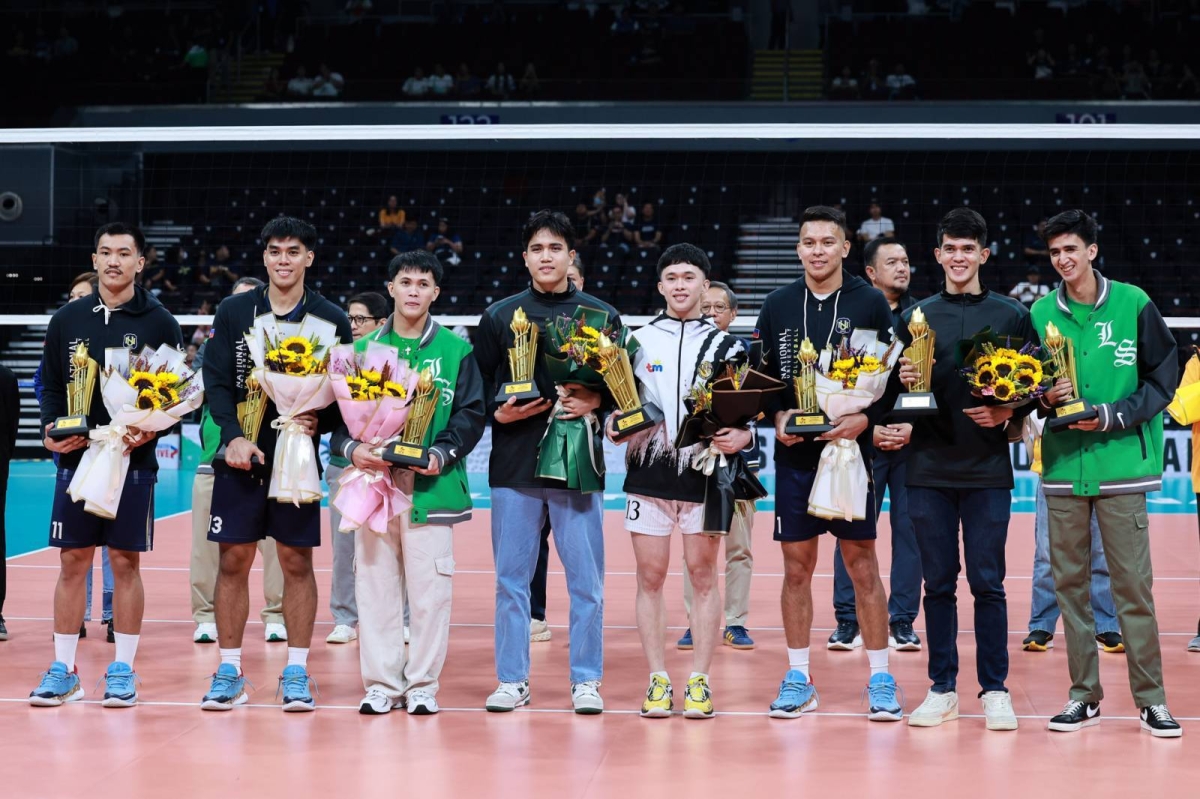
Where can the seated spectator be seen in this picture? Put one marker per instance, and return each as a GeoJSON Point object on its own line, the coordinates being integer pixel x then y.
{"type": "Point", "coordinates": [301, 85]}
{"type": "Point", "coordinates": [181, 277]}
{"type": "Point", "coordinates": [1156, 68]}
{"type": "Point", "coordinates": [628, 215]}
{"type": "Point", "coordinates": [583, 225]}
{"type": "Point", "coordinates": [391, 215]}
{"type": "Point", "coordinates": [901, 85]}
{"type": "Point", "coordinates": [501, 84]}
{"type": "Point", "coordinates": [844, 86]}
{"type": "Point", "coordinates": [625, 23]}
{"type": "Point", "coordinates": [1072, 63]}
{"type": "Point", "coordinates": [417, 86]}
{"type": "Point", "coordinates": [599, 201]}
{"type": "Point", "coordinates": [407, 238]}
{"type": "Point", "coordinates": [616, 234]}
{"type": "Point", "coordinates": [1042, 64]}
{"type": "Point", "coordinates": [202, 332]}
{"type": "Point", "coordinates": [648, 235]}
{"type": "Point", "coordinates": [873, 85]}
{"type": "Point", "coordinates": [154, 272]}
{"type": "Point", "coordinates": [529, 81]}
{"type": "Point", "coordinates": [221, 276]}
{"type": "Point", "coordinates": [445, 244]}
{"type": "Point", "coordinates": [1031, 289]}
{"type": "Point", "coordinates": [466, 84]}
{"type": "Point", "coordinates": [441, 82]}
{"type": "Point", "coordinates": [876, 225]}
{"type": "Point", "coordinates": [190, 357]}
{"type": "Point", "coordinates": [328, 84]}
{"type": "Point", "coordinates": [1036, 253]}
{"type": "Point", "coordinates": [1135, 83]}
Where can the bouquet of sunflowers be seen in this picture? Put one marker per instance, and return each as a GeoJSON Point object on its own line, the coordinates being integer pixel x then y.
{"type": "Point", "coordinates": [148, 391]}
{"type": "Point", "coordinates": [374, 389]}
{"type": "Point", "coordinates": [849, 378]}
{"type": "Point", "coordinates": [291, 361]}
{"type": "Point", "coordinates": [571, 449]}
{"type": "Point", "coordinates": [1002, 372]}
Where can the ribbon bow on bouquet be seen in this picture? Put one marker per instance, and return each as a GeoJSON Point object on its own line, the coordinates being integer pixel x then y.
{"type": "Point", "coordinates": [148, 392]}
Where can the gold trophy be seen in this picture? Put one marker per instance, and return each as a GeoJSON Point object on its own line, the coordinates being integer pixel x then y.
{"type": "Point", "coordinates": [1062, 354]}
{"type": "Point", "coordinates": [810, 420]}
{"type": "Point", "coordinates": [410, 450]}
{"type": "Point", "coordinates": [919, 399]}
{"type": "Point", "coordinates": [79, 396]}
{"type": "Point", "coordinates": [618, 376]}
{"type": "Point", "coordinates": [522, 358]}
{"type": "Point", "coordinates": [250, 412]}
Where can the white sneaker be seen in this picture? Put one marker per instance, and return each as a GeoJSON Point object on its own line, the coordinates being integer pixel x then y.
{"type": "Point", "coordinates": [586, 698]}
{"type": "Point", "coordinates": [406, 634]}
{"type": "Point", "coordinates": [998, 710]}
{"type": "Point", "coordinates": [539, 630]}
{"type": "Point", "coordinates": [342, 634]}
{"type": "Point", "coordinates": [206, 633]}
{"type": "Point", "coordinates": [377, 703]}
{"type": "Point", "coordinates": [934, 710]}
{"type": "Point", "coordinates": [274, 633]}
{"type": "Point", "coordinates": [422, 703]}
{"type": "Point", "coordinates": [508, 696]}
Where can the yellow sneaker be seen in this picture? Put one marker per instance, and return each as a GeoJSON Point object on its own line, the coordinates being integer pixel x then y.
{"type": "Point", "coordinates": [698, 704]}
{"type": "Point", "coordinates": [659, 699]}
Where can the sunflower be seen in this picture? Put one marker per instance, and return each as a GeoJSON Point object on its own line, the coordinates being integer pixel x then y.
{"type": "Point", "coordinates": [148, 400]}
{"type": "Point", "coordinates": [167, 396]}
{"type": "Point", "coordinates": [374, 392]}
{"type": "Point", "coordinates": [1004, 390]}
{"type": "Point", "coordinates": [298, 367]}
{"type": "Point", "coordinates": [589, 333]}
{"type": "Point", "coordinates": [845, 364]}
{"type": "Point", "coordinates": [391, 389]}
{"type": "Point", "coordinates": [297, 344]}
{"type": "Point", "coordinates": [1025, 361]}
{"type": "Point", "coordinates": [356, 384]}
{"type": "Point", "coordinates": [985, 375]}
{"type": "Point", "coordinates": [371, 376]}
{"type": "Point", "coordinates": [1004, 366]}
{"type": "Point", "coordinates": [1027, 378]}
{"type": "Point", "coordinates": [166, 379]}
{"type": "Point", "coordinates": [142, 381]}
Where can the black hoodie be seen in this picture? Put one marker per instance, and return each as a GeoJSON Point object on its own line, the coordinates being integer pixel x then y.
{"type": "Point", "coordinates": [141, 322]}
{"type": "Point", "coordinates": [948, 450]}
{"type": "Point", "coordinates": [515, 446]}
{"type": "Point", "coordinates": [227, 362]}
{"type": "Point", "coordinates": [781, 326]}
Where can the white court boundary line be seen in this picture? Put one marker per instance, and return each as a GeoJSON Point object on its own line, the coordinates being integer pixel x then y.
{"type": "Point", "coordinates": [589, 132]}
{"type": "Point", "coordinates": [9, 561]}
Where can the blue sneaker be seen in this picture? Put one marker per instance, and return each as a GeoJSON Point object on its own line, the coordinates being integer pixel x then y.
{"type": "Point", "coordinates": [57, 686]}
{"type": "Point", "coordinates": [881, 691]}
{"type": "Point", "coordinates": [737, 637]}
{"type": "Point", "coordinates": [686, 641]}
{"type": "Point", "coordinates": [228, 689]}
{"type": "Point", "coordinates": [120, 686]}
{"type": "Point", "coordinates": [294, 687]}
{"type": "Point", "coordinates": [796, 695]}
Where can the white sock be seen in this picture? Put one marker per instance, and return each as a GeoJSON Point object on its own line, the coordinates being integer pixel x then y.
{"type": "Point", "coordinates": [126, 648]}
{"type": "Point", "coordinates": [662, 674]}
{"type": "Point", "coordinates": [64, 649]}
{"type": "Point", "coordinates": [878, 658]}
{"type": "Point", "coordinates": [798, 660]}
{"type": "Point", "coordinates": [696, 674]}
{"type": "Point", "coordinates": [298, 656]}
{"type": "Point", "coordinates": [233, 657]}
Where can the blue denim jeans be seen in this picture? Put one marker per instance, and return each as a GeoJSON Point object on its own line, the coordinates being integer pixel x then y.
{"type": "Point", "coordinates": [518, 515]}
{"type": "Point", "coordinates": [1044, 611]}
{"type": "Point", "coordinates": [106, 588]}
{"type": "Point", "coordinates": [984, 515]}
{"type": "Point", "coordinates": [890, 471]}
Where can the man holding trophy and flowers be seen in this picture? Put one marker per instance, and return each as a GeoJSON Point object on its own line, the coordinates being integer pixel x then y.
{"type": "Point", "coordinates": [112, 362]}
{"type": "Point", "coordinates": [406, 549]}
{"type": "Point", "coordinates": [268, 388]}
{"type": "Point", "coordinates": [828, 335]}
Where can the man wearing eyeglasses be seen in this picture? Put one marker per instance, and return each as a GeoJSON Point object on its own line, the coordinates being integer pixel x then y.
{"type": "Point", "coordinates": [720, 305]}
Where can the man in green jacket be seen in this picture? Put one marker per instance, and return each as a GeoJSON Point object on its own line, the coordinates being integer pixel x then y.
{"type": "Point", "coordinates": [1127, 368]}
{"type": "Point", "coordinates": [417, 552]}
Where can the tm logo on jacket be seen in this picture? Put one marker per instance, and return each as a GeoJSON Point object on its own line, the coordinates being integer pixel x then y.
{"type": "Point", "coordinates": [1125, 353]}
{"type": "Point", "coordinates": [656, 366]}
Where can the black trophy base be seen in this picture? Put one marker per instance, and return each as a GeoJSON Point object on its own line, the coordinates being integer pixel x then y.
{"type": "Point", "coordinates": [522, 391]}
{"type": "Point", "coordinates": [1064, 416]}
{"type": "Point", "coordinates": [807, 424]}
{"type": "Point", "coordinates": [401, 454]}
{"type": "Point", "coordinates": [257, 469]}
{"type": "Point", "coordinates": [635, 421]}
{"type": "Point", "coordinates": [67, 426]}
{"type": "Point", "coordinates": [915, 403]}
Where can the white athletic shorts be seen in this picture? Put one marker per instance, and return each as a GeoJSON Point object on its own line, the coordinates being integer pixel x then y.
{"type": "Point", "coordinates": [654, 516]}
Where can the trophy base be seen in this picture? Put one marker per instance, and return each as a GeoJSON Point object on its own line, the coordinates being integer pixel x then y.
{"type": "Point", "coordinates": [636, 421]}
{"type": "Point", "coordinates": [807, 424]}
{"type": "Point", "coordinates": [402, 454]}
{"type": "Point", "coordinates": [256, 466]}
{"type": "Point", "coordinates": [1074, 411]}
{"type": "Point", "coordinates": [67, 426]}
{"type": "Point", "coordinates": [523, 391]}
{"type": "Point", "coordinates": [916, 403]}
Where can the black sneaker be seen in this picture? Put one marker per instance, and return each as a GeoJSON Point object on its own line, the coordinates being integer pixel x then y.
{"type": "Point", "coordinates": [902, 637]}
{"type": "Point", "coordinates": [3, 630]}
{"type": "Point", "coordinates": [1076, 716]}
{"type": "Point", "coordinates": [1038, 641]}
{"type": "Point", "coordinates": [846, 636]}
{"type": "Point", "coordinates": [1159, 722]}
{"type": "Point", "coordinates": [110, 636]}
{"type": "Point", "coordinates": [1111, 642]}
